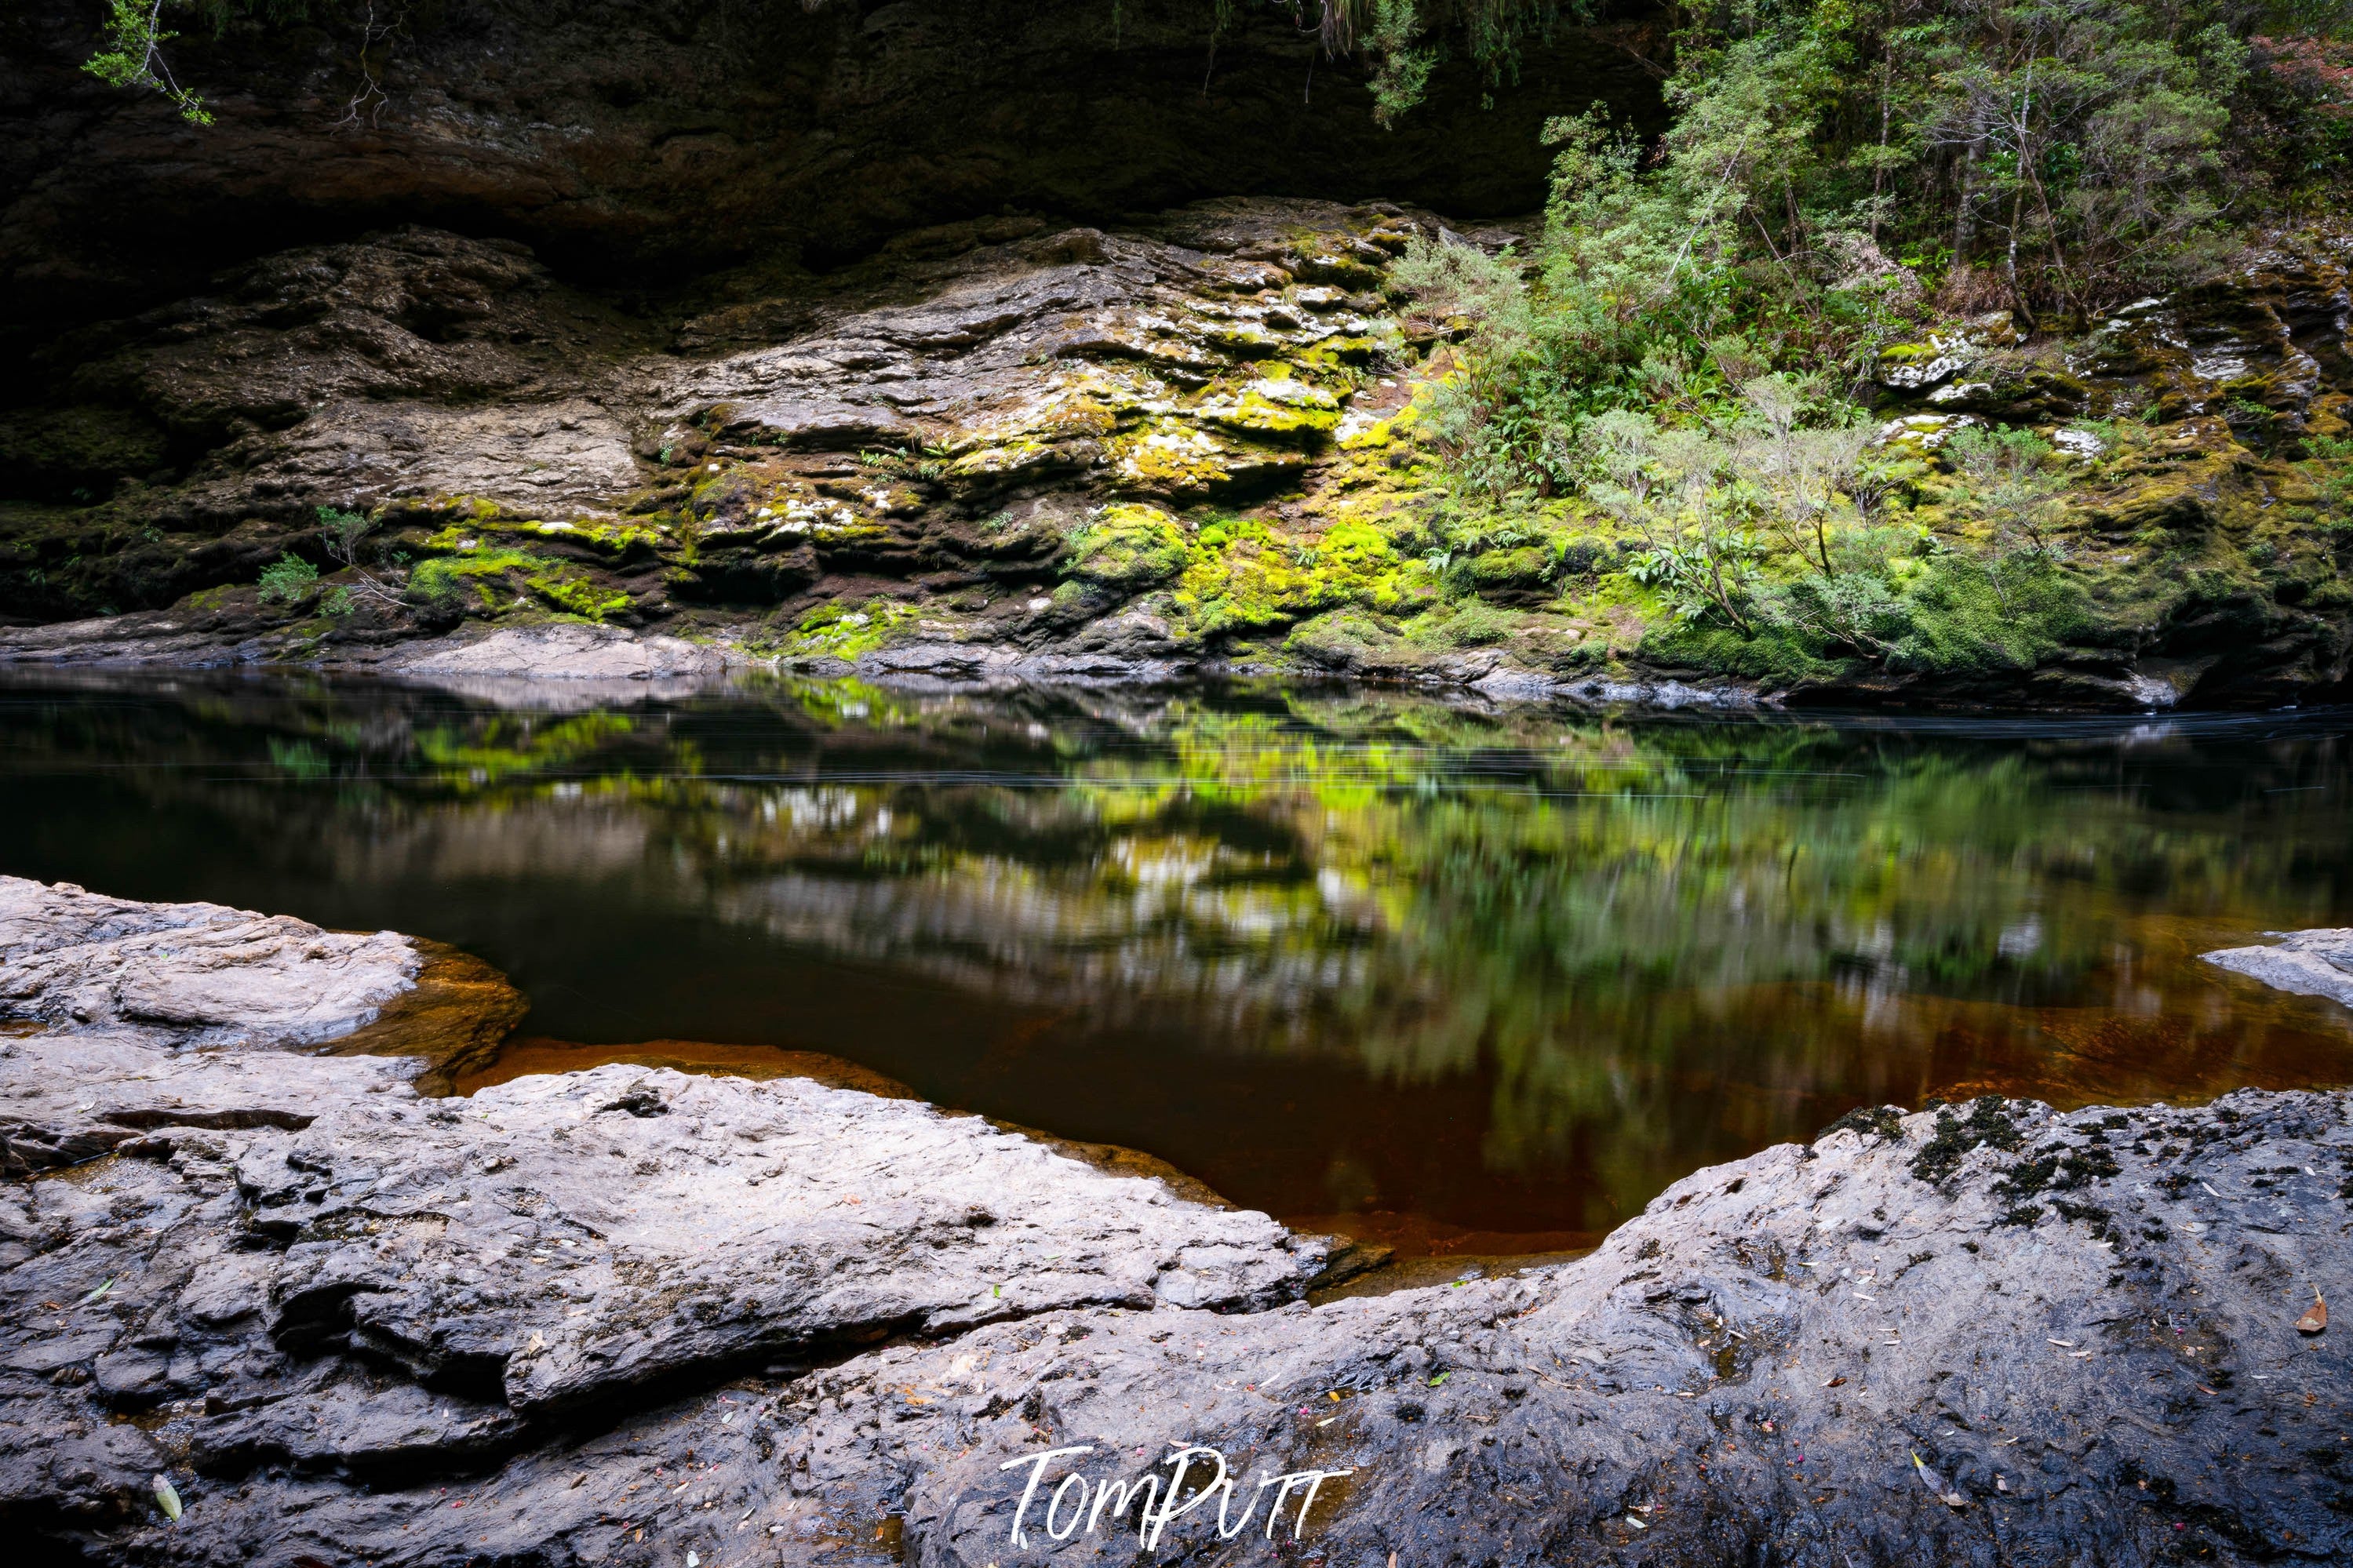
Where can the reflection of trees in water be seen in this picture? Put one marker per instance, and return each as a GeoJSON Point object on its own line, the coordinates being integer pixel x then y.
{"type": "Point", "coordinates": [1692, 934]}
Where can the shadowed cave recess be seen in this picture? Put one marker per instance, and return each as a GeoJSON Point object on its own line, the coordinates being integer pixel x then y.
{"type": "Point", "coordinates": [642, 146]}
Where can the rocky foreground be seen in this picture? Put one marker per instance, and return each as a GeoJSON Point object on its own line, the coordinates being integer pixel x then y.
{"type": "Point", "coordinates": [270, 1300]}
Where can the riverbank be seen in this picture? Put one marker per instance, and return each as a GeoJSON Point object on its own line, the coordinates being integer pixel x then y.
{"type": "Point", "coordinates": [1205, 443]}
{"type": "Point", "coordinates": [624, 1314]}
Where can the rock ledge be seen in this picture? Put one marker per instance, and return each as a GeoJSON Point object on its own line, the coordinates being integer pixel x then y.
{"type": "Point", "coordinates": [625, 1314]}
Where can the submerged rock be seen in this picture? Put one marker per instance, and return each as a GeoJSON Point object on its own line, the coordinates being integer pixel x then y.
{"type": "Point", "coordinates": [2307, 962]}
{"type": "Point", "coordinates": [625, 1314]}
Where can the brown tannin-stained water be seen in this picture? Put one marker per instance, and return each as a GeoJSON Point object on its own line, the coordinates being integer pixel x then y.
{"type": "Point", "coordinates": [1462, 982]}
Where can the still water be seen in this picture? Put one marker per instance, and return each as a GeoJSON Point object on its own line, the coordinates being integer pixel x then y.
{"type": "Point", "coordinates": [1462, 981]}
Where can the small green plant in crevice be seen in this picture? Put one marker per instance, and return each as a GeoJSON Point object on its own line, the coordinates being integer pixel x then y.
{"type": "Point", "coordinates": [290, 580]}
{"type": "Point", "coordinates": [926, 462]}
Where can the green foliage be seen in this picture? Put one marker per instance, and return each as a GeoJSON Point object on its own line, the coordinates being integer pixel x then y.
{"type": "Point", "coordinates": [1686, 348]}
{"type": "Point", "coordinates": [133, 57]}
{"type": "Point", "coordinates": [289, 580]}
{"type": "Point", "coordinates": [1400, 70]}
{"type": "Point", "coordinates": [337, 603]}
{"type": "Point", "coordinates": [2328, 465]}
{"type": "Point", "coordinates": [2008, 483]}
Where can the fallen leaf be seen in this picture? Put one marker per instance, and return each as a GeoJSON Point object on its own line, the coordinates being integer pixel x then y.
{"type": "Point", "coordinates": [2315, 1317]}
{"type": "Point", "coordinates": [1936, 1485]}
{"type": "Point", "coordinates": [107, 1284]}
{"type": "Point", "coordinates": [167, 1499]}
{"type": "Point", "coordinates": [1442, 1377]}
{"type": "Point", "coordinates": [537, 1342]}
{"type": "Point", "coordinates": [2068, 1344]}
{"type": "Point", "coordinates": [1834, 1382]}
{"type": "Point", "coordinates": [1636, 1522]}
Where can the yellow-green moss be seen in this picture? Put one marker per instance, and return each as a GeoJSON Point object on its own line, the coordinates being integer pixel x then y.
{"type": "Point", "coordinates": [1131, 546]}
{"type": "Point", "coordinates": [846, 631]}
{"type": "Point", "coordinates": [1245, 578]}
{"type": "Point", "coordinates": [469, 580]}
{"type": "Point", "coordinates": [1275, 408]}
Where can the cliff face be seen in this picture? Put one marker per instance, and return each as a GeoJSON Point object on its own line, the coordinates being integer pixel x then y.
{"type": "Point", "coordinates": [1002, 450]}
{"type": "Point", "coordinates": [955, 342]}
{"type": "Point", "coordinates": [638, 141]}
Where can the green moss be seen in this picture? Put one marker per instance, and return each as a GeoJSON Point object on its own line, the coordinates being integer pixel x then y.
{"type": "Point", "coordinates": [1988, 1124]}
{"type": "Point", "coordinates": [1973, 619]}
{"type": "Point", "coordinates": [845, 631]}
{"type": "Point", "coordinates": [1277, 408]}
{"type": "Point", "coordinates": [567, 591]}
{"type": "Point", "coordinates": [472, 582]}
{"type": "Point", "coordinates": [1462, 623]}
{"type": "Point", "coordinates": [1243, 576]}
{"type": "Point", "coordinates": [468, 581]}
{"type": "Point", "coordinates": [1130, 546]}
{"type": "Point", "coordinates": [1525, 570]}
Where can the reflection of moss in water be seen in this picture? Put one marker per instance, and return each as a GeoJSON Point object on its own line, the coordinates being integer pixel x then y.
{"type": "Point", "coordinates": [1660, 940]}
{"type": "Point", "coordinates": [499, 748]}
{"type": "Point", "coordinates": [1591, 928]}
{"type": "Point", "coordinates": [300, 758]}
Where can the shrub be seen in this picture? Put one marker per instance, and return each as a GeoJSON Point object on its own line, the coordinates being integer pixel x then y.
{"type": "Point", "coordinates": [288, 580]}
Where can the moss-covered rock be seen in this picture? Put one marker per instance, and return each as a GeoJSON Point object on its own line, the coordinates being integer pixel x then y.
{"type": "Point", "coordinates": [1131, 546]}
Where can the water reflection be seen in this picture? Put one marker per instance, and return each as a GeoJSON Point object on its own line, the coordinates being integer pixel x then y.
{"type": "Point", "coordinates": [1468, 979]}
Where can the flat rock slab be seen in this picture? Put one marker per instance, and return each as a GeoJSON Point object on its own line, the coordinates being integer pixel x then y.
{"type": "Point", "coordinates": [557, 651]}
{"type": "Point", "coordinates": [2318, 962]}
{"type": "Point", "coordinates": [625, 1314]}
{"type": "Point", "coordinates": [214, 974]}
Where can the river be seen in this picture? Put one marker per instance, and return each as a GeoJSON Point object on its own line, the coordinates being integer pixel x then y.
{"type": "Point", "coordinates": [1467, 981]}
